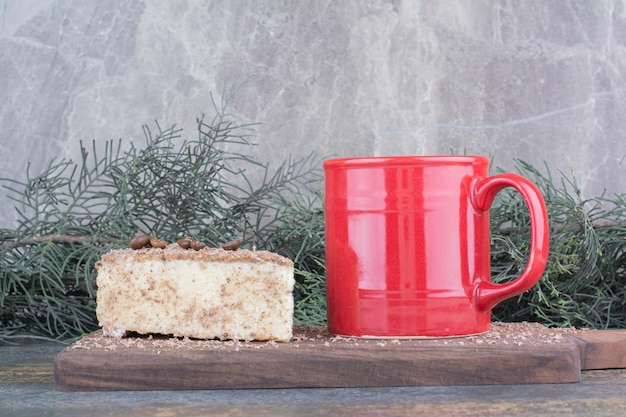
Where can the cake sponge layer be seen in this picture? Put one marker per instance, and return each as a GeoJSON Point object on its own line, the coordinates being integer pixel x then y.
{"type": "Point", "coordinates": [210, 293]}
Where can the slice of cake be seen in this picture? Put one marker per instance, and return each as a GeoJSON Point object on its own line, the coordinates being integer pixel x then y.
{"type": "Point", "coordinates": [203, 293]}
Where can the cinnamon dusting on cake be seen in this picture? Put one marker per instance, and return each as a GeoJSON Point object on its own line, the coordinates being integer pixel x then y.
{"type": "Point", "coordinates": [174, 251]}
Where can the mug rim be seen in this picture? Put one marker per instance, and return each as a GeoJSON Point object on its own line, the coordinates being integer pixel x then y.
{"type": "Point", "coordinates": [430, 160]}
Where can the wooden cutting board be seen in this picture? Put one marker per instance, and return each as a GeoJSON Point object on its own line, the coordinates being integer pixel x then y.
{"type": "Point", "coordinates": [522, 353]}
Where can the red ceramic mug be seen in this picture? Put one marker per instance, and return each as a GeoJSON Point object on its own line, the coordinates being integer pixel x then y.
{"type": "Point", "coordinates": [408, 242]}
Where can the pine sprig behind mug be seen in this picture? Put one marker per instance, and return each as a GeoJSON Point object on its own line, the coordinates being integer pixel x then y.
{"type": "Point", "coordinates": [584, 284]}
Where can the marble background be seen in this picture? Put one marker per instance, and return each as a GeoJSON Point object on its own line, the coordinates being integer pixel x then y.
{"type": "Point", "coordinates": [540, 80]}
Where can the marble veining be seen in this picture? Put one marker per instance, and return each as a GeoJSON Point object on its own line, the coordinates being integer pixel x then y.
{"type": "Point", "coordinates": [540, 81]}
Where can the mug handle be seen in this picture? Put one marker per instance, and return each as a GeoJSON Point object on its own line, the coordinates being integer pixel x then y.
{"type": "Point", "coordinates": [486, 293]}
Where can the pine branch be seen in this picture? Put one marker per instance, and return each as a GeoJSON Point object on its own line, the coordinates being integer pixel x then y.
{"type": "Point", "coordinates": [56, 238]}
{"type": "Point", "coordinates": [210, 188]}
{"type": "Point", "coordinates": [207, 187]}
{"type": "Point", "coordinates": [584, 283]}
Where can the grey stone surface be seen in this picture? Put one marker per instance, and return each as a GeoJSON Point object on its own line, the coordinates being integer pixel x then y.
{"type": "Point", "coordinates": [536, 80]}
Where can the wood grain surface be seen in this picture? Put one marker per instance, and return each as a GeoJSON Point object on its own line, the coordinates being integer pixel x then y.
{"type": "Point", "coordinates": [602, 349]}
{"type": "Point", "coordinates": [315, 367]}
{"type": "Point", "coordinates": [315, 358]}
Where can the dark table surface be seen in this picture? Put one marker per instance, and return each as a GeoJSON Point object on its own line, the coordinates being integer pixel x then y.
{"type": "Point", "coordinates": [27, 389]}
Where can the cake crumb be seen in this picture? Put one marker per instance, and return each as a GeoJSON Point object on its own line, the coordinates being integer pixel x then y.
{"type": "Point", "coordinates": [312, 337]}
